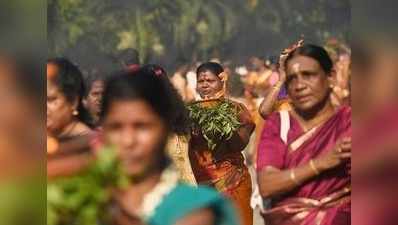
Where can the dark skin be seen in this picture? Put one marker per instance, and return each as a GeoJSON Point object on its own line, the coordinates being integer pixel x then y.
{"type": "Point", "coordinates": [308, 88]}
{"type": "Point", "coordinates": [139, 135]}
{"type": "Point", "coordinates": [61, 122]}
{"type": "Point", "coordinates": [208, 85]}
{"type": "Point", "coordinates": [93, 100]}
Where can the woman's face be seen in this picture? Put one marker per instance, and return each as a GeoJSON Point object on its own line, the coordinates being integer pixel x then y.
{"type": "Point", "coordinates": [94, 98]}
{"type": "Point", "coordinates": [307, 83]}
{"type": "Point", "coordinates": [59, 109]}
{"type": "Point", "coordinates": [138, 133]}
{"type": "Point", "coordinates": [208, 84]}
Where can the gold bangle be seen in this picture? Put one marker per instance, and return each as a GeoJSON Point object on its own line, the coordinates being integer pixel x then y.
{"type": "Point", "coordinates": [293, 177]}
{"type": "Point", "coordinates": [278, 85]}
{"type": "Point", "coordinates": [313, 167]}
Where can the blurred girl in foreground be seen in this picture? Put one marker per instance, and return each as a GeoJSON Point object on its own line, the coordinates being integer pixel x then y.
{"type": "Point", "coordinates": [137, 118]}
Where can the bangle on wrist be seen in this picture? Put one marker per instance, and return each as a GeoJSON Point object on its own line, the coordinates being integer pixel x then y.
{"type": "Point", "coordinates": [279, 84]}
{"type": "Point", "coordinates": [293, 177]}
{"type": "Point", "coordinates": [313, 167]}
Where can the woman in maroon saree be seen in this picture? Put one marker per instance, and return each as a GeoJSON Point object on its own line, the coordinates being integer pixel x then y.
{"type": "Point", "coordinates": [304, 154]}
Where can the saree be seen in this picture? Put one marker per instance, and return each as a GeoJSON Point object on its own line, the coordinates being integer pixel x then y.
{"type": "Point", "coordinates": [224, 168]}
{"type": "Point", "coordinates": [170, 201]}
{"type": "Point", "coordinates": [184, 199]}
{"type": "Point", "coordinates": [284, 145]}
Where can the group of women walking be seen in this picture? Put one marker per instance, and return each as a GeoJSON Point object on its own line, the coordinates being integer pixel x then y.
{"type": "Point", "coordinates": [184, 163]}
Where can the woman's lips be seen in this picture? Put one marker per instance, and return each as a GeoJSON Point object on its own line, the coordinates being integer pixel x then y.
{"type": "Point", "coordinates": [206, 91]}
{"type": "Point", "coordinates": [303, 98]}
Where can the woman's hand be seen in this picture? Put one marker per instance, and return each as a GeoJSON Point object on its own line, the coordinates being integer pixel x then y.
{"type": "Point", "coordinates": [339, 155]}
{"type": "Point", "coordinates": [283, 56]}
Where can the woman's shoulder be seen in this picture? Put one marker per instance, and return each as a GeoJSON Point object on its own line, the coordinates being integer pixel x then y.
{"type": "Point", "coordinates": [236, 103]}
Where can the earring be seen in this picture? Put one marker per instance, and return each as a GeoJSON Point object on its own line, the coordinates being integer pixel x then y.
{"type": "Point", "coordinates": [75, 112]}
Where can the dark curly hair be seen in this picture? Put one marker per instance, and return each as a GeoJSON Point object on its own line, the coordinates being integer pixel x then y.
{"type": "Point", "coordinates": [69, 80]}
{"type": "Point", "coordinates": [151, 84]}
{"type": "Point", "coordinates": [213, 67]}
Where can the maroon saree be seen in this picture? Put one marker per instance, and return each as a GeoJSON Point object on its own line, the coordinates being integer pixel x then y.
{"type": "Point", "coordinates": [321, 201]}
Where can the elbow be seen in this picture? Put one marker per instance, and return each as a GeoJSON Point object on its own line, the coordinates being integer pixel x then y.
{"type": "Point", "coordinates": [263, 113]}
{"type": "Point", "coordinates": [266, 192]}
{"type": "Point", "coordinates": [267, 186]}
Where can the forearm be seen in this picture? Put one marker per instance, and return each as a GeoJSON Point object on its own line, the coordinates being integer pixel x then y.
{"type": "Point", "coordinates": [273, 183]}
{"type": "Point", "coordinates": [269, 101]}
{"type": "Point", "coordinates": [240, 139]}
{"type": "Point", "coordinates": [68, 166]}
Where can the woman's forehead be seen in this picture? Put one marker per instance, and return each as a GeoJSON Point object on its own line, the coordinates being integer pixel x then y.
{"type": "Point", "coordinates": [207, 74]}
{"type": "Point", "coordinates": [302, 63]}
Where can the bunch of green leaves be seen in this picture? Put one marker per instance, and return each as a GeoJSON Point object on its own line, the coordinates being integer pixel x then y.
{"type": "Point", "coordinates": [21, 200]}
{"type": "Point", "coordinates": [82, 199]}
{"type": "Point", "coordinates": [217, 123]}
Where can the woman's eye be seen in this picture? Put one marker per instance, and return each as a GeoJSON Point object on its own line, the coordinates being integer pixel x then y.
{"type": "Point", "coordinates": [142, 126]}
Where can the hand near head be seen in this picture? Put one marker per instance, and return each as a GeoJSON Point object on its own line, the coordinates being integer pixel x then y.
{"type": "Point", "coordinates": [283, 56]}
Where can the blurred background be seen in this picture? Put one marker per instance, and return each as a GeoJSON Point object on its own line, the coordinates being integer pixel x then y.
{"type": "Point", "coordinates": [22, 94]}
{"type": "Point", "coordinates": [172, 33]}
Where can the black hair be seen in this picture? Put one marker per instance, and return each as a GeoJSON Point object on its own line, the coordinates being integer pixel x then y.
{"type": "Point", "coordinates": [69, 80]}
{"type": "Point", "coordinates": [180, 121]}
{"type": "Point", "coordinates": [151, 84]}
{"type": "Point", "coordinates": [213, 67]}
{"type": "Point", "coordinates": [316, 52]}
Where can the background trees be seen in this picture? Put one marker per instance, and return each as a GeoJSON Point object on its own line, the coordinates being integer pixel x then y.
{"type": "Point", "coordinates": [92, 32]}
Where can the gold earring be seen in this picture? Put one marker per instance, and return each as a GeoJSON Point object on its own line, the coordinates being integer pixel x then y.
{"type": "Point", "coordinates": [75, 112]}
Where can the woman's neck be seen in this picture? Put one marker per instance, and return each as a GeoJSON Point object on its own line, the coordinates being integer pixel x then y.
{"type": "Point", "coordinates": [137, 190]}
{"type": "Point", "coordinates": [74, 128]}
{"type": "Point", "coordinates": [315, 116]}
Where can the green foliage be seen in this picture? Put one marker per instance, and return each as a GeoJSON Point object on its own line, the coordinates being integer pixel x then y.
{"type": "Point", "coordinates": [217, 123]}
{"type": "Point", "coordinates": [192, 29]}
{"type": "Point", "coordinates": [81, 199]}
{"type": "Point", "coordinates": [22, 200]}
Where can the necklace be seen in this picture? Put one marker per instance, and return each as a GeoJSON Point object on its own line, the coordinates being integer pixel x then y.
{"type": "Point", "coordinates": [168, 181]}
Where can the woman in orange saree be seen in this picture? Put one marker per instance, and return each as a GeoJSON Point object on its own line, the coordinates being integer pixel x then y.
{"type": "Point", "coordinates": [223, 168]}
{"type": "Point", "coordinates": [304, 154]}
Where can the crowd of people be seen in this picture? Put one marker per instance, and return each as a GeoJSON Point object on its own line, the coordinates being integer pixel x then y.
{"type": "Point", "coordinates": [194, 151]}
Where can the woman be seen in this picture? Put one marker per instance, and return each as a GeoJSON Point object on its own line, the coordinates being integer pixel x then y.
{"type": "Point", "coordinates": [93, 96]}
{"type": "Point", "coordinates": [137, 117]}
{"type": "Point", "coordinates": [304, 154]}
{"type": "Point", "coordinates": [223, 167]}
{"type": "Point", "coordinates": [67, 134]}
